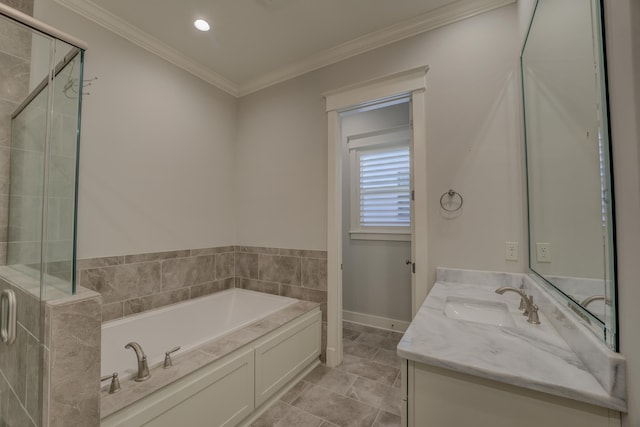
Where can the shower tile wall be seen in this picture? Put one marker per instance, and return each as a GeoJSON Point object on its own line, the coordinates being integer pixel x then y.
{"type": "Point", "coordinates": [19, 375]}
{"type": "Point", "coordinates": [15, 57]}
{"type": "Point", "coordinates": [132, 284]}
{"type": "Point", "coordinates": [40, 369]}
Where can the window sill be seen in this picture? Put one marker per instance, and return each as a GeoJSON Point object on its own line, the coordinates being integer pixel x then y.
{"type": "Point", "coordinates": [403, 236]}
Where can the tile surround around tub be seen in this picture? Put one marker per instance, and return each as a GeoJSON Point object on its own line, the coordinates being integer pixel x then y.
{"type": "Point", "coordinates": [294, 273]}
{"type": "Point", "coordinates": [131, 284]}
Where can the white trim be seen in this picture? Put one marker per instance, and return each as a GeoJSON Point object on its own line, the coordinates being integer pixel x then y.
{"type": "Point", "coordinates": [375, 321]}
{"type": "Point", "coordinates": [382, 87]}
{"type": "Point", "coordinates": [456, 11]}
{"type": "Point", "coordinates": [380, 137]}
{"type": "Point", "coordinates": [373, 141]}
{"type": "Point", "coordinates": [419, 282]}
{"type": "Point", "coordinates": [437, 18]}
{"type": "Point", "coordinates": [334, 243]}
{"type": "Point", "coordinates": [379, 235]}
{"type": "Point", "coordinates": [360, 94]}
{"type": "Point", "coordinates": [119, 26]}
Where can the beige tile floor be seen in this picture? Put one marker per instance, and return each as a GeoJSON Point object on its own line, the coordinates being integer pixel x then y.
{"type": "Point", "coordinates": [364, 391]}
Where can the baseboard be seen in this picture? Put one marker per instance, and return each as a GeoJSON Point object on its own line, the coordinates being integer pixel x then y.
{"type": "Point", "coordinates": [375, 321]}
{"type": "Point", "coordinates": [332, 357]}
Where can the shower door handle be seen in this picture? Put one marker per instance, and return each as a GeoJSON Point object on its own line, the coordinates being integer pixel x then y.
{"type": "Point", "coordinates": [8, 316]}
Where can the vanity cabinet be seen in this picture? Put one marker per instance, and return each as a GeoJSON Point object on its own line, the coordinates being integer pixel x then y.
{"type": "Point", "coordinates": [442, 398]}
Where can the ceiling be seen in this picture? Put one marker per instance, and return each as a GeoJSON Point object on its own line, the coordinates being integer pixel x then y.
{"type": "Point", "coordinates": [256, 43]}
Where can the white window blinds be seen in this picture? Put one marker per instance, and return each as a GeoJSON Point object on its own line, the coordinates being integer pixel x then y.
{"type": "Point", "coordinates": [384, 193]}
{"type": "Point", "coordinates": [380, 180]}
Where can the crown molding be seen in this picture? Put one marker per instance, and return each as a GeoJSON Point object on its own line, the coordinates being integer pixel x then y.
{"type": "Point", "coordinates": [457, 11]}
{"type": "Point", "coordinates": [119, 26]}
{"type": "Point", "coordinates": [442, 16]}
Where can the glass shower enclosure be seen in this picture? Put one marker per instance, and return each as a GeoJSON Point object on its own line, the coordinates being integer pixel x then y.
{"type": "Point", "coordinates": [40, 101]}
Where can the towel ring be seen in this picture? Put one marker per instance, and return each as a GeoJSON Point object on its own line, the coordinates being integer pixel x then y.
{"type": "Point", "coordinates": [451, 195]}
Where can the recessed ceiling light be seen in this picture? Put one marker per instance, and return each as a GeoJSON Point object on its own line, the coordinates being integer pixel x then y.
{"type": "Point", "coordinates": [202, 25]}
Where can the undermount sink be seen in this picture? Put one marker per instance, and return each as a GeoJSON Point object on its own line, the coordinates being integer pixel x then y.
{"type": "Point", "coordinates": [479, 311]}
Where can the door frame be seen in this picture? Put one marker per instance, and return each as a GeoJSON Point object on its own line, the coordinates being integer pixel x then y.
{"type": "Point", "coordinates": [410, 82]}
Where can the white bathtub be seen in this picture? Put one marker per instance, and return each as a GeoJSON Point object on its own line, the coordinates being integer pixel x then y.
{"type": "Point", "coordinates": [186, 324]}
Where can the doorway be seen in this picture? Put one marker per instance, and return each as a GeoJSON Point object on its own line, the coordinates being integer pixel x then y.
{"type": "Point", "coordinates": [376, 217]}
{"type": "Point", "coordinates": [410, 84]}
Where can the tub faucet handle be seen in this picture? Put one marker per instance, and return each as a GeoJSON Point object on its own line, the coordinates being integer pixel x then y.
{"type": "Point", "coordinates": [168, 362]}
{"type": "Point", "coordinates": [114, 387]}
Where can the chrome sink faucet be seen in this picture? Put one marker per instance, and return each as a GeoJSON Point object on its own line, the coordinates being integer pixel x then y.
{"type": "Point", "coordinates": [143, 366]}
{"type": "Point", "coordinates": [593, 298]}
{"type": "Point", "coordinates": [526, 303]}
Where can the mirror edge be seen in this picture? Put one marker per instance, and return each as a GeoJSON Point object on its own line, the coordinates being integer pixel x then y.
{"type": "Point", "coordinates": [608, 333]}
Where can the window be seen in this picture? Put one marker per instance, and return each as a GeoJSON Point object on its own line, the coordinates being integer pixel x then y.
{"type": "Point", "coordinates": [380, 185]}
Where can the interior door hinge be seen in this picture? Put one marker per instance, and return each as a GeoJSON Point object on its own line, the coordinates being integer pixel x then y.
{"type": "Point", "coordinates": [341, 267]}
{"type": "Point", "coordinates": [413, 268]}
{"type": "Point", "coordinates": [413, 195]}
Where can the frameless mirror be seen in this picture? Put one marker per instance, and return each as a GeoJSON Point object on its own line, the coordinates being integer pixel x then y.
{"type": "Point", "coordinates": [568, 159]}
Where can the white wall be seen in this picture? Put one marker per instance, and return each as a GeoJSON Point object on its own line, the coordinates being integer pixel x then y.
{"type": "Point", "coordinates": [623, 64]}
{"type": "Point", "coordinates": [473, 140]}
{"type": "Point", "coordinates": [525, 10]}
{"type": "Point", "coordinates": [375, 279]}
{"type": "Point", "coordinates": [157, 149]}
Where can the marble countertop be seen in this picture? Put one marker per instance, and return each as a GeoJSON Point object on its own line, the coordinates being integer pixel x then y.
{"type": "Point", "coordinates": [530, 356]}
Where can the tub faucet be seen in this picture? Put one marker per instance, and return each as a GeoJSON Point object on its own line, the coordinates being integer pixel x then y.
{"type": "Point", "coordinates": [143, 366]}
{"type": "Point", "coordinates": [526, 302]}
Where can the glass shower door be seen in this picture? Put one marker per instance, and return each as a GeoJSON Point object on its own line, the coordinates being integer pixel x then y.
{"type": "Point", "coordinates": [40, 95]}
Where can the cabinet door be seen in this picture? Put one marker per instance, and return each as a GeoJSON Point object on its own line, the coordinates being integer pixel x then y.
{"type": "Point", "coordinates": [217, 395]}
{"type": "Point", "coordinates": [443, 398]}
{"type": "Point", "coordinates": [285, 355]}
